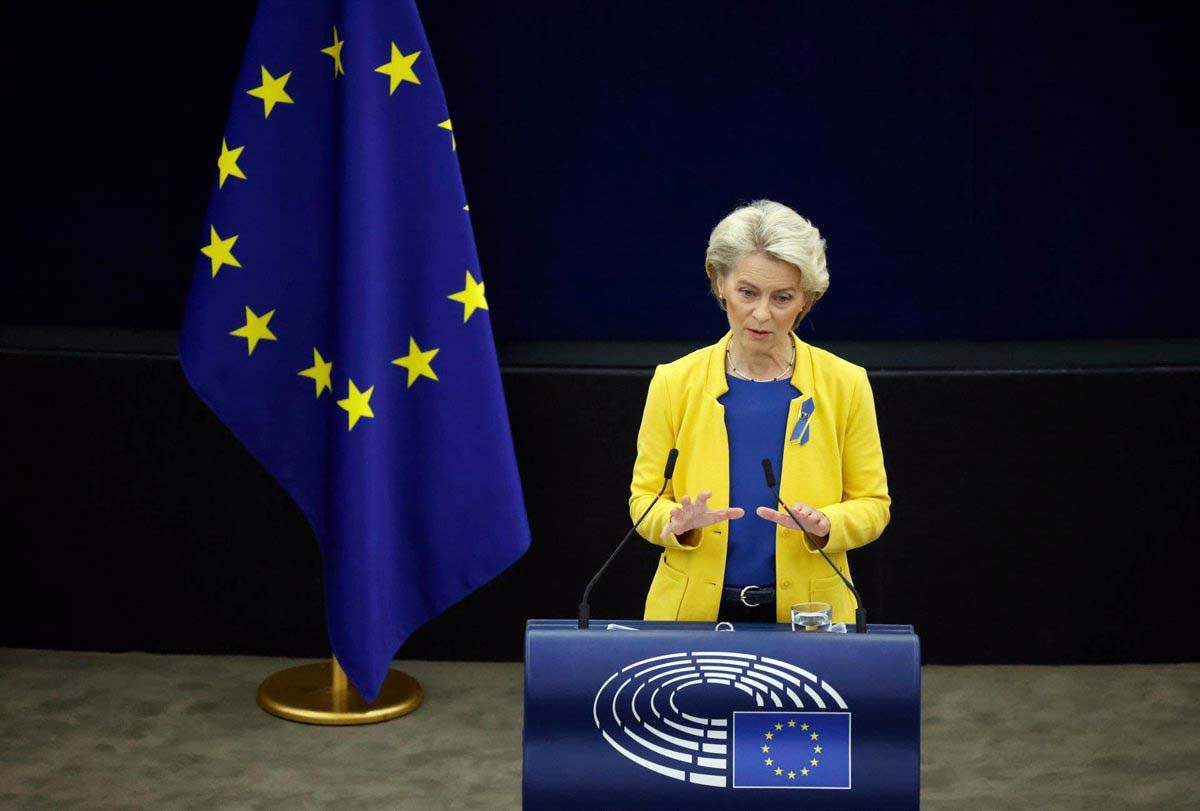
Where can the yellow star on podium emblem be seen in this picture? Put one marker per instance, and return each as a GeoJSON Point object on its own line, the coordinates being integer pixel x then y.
{"type": "Point", "coordinates": [321, 371]}
{"type": "Point", "coordinates": [471, 297]}
{"type": "Point", "coordinates": [417, 362]}
{"type": "Point", "coordinates": [220, 251]}
{"type": "Point", "coordinates": [255, 330]}
{"type": "Point", "coordinates": [271, 91]}
{"type": "Point", "coordinates": [357, 404]}
{"type": "Point", "coordinates": [399, 69]}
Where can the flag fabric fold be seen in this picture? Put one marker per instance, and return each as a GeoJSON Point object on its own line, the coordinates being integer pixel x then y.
{"type": "Point", "coordinates": [337, 320]}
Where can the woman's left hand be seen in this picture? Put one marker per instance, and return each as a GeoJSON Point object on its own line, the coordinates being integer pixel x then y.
{"type": "Point", "coordinates": [812, 520]}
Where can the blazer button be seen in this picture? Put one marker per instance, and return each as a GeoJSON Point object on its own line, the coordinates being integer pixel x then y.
{"type": "Point", "coordinates": [786, 584]}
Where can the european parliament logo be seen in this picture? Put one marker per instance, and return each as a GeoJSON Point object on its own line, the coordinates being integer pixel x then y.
{"type": "Point", "coordinates": [727, 720]}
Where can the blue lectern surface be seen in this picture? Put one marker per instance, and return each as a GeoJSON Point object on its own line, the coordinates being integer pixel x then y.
{"type": "Point", "coordinates": [654, 714]}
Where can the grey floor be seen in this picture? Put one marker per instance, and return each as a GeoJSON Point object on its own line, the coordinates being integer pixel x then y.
{"type": "Point", "coordinates": [138, 730]}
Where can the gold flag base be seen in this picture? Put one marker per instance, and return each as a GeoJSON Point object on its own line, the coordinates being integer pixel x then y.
{"type": "Point", "coordinates": [321, 694]}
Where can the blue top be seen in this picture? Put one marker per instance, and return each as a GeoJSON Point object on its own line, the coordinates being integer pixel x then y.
{"type": "Point", "coordinates": [756, 423]}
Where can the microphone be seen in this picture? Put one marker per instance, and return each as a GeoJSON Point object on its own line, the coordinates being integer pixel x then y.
{"type": "Point", "coordinates": [860, 614]}
{"type": "Point", "coordinates": [668, 472]}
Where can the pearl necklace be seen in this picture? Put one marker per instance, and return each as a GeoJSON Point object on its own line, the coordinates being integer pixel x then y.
{"type": "Point", "coordinates": [786, 374]}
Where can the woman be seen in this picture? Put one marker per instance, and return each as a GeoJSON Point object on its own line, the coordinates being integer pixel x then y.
{"type": "Point", "coordinates": [759, 392]}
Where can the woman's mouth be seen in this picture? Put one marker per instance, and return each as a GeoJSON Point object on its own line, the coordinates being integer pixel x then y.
{"type": "Point", "coordinates": [758, 333]}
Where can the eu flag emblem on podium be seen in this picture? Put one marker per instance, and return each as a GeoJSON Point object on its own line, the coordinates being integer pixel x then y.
{"type": "Point", "coordinates": [338, 324]}
{"type": "Point", "coordinates": [791, 750]}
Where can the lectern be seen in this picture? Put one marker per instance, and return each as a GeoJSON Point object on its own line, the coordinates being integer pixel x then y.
{"type": "Point", "coordinates": [633, 714]}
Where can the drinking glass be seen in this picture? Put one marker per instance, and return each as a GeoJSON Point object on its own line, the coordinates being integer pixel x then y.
{"type": "Point", "coordinates": [812, 616]}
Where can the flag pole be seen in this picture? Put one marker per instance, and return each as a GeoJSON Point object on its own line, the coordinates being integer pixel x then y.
{"type": "Point", "coordinates": [320, 693]}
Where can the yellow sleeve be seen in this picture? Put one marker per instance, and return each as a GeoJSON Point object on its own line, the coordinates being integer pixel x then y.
{"type": "Point", "coordinates": [655, 439]}
{"type": "Point", "coordinates": [865, 508]}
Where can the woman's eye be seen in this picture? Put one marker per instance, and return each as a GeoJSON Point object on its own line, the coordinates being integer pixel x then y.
{"type": "Point", "coordinates": [746, 293]}
{"type": "Point", "coordinates": [783, 299]}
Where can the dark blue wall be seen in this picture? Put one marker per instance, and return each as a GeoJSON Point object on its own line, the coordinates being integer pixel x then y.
{"type": "Point", "coordinates": [987, 170]}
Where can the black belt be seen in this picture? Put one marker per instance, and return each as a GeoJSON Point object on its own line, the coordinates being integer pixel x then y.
{"type": "Point", "coordinates": [749, 596]}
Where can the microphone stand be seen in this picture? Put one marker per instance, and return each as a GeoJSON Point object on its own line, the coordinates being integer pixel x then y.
{"type": "Point", "coordinates": [860, 614]}
{"type": "Point", "coordinates": [584, 609]}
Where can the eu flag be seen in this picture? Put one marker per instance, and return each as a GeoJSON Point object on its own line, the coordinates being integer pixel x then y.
{"type": "Point", "coordinates": [791, 750]}
{"type": "Point", "coordinates": [337, 321]}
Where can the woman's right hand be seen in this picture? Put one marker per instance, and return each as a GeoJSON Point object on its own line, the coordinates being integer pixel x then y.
{"type": "Point", "coordinates": [691, 515]}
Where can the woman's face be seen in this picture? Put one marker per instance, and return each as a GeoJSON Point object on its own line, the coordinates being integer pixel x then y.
{"type": "Point", "coordinates": [762, 299]}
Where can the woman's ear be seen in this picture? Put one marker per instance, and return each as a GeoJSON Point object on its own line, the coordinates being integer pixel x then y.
{"type": "Point", "coordinates": [718, 289]}
{"type": "Point", "coordinates": [809, 301]}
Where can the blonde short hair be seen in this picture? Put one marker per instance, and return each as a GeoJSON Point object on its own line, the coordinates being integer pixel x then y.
{"type": "Point", "coordinates": [773, 229]}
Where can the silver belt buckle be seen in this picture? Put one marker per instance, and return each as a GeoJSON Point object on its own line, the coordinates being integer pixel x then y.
{"type": "Point", "coordinates": [746, 602]}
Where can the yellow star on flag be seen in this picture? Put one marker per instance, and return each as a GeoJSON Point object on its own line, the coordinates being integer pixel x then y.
{"type": "Point", "coordinates": [271, 91]}
{"type": "Point", "coordinates": [778, 770]}
{"type": "Point", "coordinates": [803, 772]}
{"type": "Point", "coordinates": [227, 163]}
{"type": "Point", "coordinates": [817, 749]}
{"type": "Point", "coordinates": [320, 371]}
{"type": "Point", "coordinates": [399, 69]}
{"type": "Point", "coordinates": [446, 125]}
{"type": "Point", "coordinates": [417, 362]}
{"type": "Point", "coordinates": [791, 775]}
{"type": "Point", "coordinates": [814, 736]}
{"type": "Point", "coordinates": [255, 330]}
{"type": "Point", "coordinates": [220, 251]}
{"type": "Point", "coordinates": [779, 727]}
{"type": "Point", "coordinates": [471, 297]}
{"type": "Point", "coordinates": [357, 404]}
{"type": "Point", "coordinates": [791, 723]}
{"type": "Point", "coordinates": [770, 735]}
{"type": "Point", "coordinates": [769, 762]}
{"type": "Point", "coordinates": [804, 727]}
{"type": "Point", "coordinates": [814, 761]}
{"type": "Point", "coordinates": [335, 51]}
{"type": "Point", "coordinates": [766, 748]}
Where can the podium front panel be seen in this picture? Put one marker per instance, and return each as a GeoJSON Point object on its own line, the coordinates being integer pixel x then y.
{"type": "Point", "coordinates": [633, 714]}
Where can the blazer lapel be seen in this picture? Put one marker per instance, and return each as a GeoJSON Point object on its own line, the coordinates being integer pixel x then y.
{"type": "Point", "coordinates": [798, 465]}
{"type": "Point", "coordinates": [715, 383]}
{"type": "Point", "coordinates": [716, 439]}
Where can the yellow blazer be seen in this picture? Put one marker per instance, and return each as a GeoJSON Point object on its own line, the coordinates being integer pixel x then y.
{"type": "Point", "coordinates": [839, 470]}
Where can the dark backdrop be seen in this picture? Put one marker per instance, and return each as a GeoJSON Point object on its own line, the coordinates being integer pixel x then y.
{"type": "Point", "coordinates": [1039, 515]}
{"type": "Point", "coordinates": [985, 170]}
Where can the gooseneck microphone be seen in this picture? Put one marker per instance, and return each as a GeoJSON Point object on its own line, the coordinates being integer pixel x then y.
{"type": "Point", "coordinates": [584, 610]}
{"type": "Point", "coordinates": [860, 614]}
